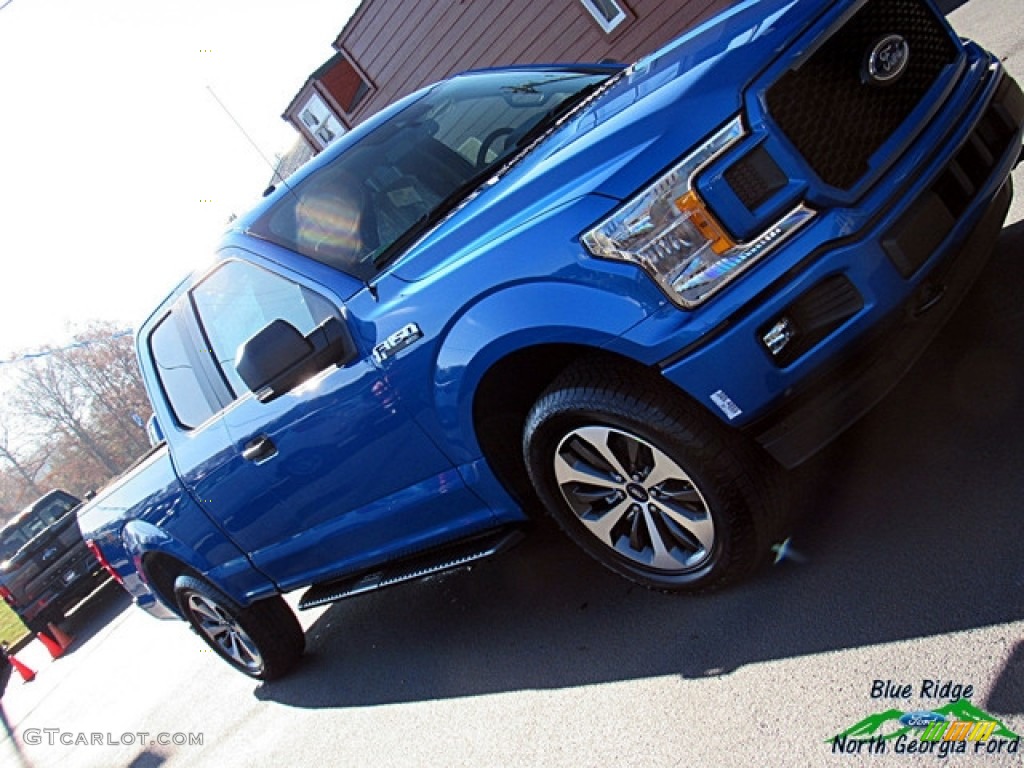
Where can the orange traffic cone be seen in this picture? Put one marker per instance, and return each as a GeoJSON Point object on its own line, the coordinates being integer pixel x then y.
{"type": "Point", "coordinates": [62, 637]}
{"type": "Point", "coordinates": [26, 674]}
{"type": "Point", "coordinates": [51, 645]}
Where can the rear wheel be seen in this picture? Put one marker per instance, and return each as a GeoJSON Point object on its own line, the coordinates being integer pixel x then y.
{"type": "Point", "coordinates": [264, 640]}
{"type": "Point", "coordinates": [649, 487]}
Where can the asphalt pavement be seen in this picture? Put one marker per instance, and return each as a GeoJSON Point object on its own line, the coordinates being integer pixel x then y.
{"type": "Point", "coordinates": [910, 575]}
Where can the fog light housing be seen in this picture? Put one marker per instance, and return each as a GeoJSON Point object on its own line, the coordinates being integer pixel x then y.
{"type": "Point", "coordinates": [779, 335]}
{"type": "Point", "coordinates": [818, 312]}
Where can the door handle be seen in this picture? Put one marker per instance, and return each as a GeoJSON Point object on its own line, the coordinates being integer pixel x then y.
{"type": "Point", "coordinates": [259, 449]}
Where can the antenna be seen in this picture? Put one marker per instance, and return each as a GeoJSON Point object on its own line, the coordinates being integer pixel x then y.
{"type": "Point", "coordinates": [249, 138]}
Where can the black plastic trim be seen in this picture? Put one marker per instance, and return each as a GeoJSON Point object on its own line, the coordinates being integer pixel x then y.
{"type": "Point", "coordinates": [827, 406]}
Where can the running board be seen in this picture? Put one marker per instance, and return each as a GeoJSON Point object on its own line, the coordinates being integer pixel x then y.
{"type": "Point", "coordinates": [457, 555]}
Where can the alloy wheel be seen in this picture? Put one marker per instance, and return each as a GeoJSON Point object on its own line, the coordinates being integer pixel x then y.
{"type": "Point", "coordinates": [634, 498]}
{"type": "Point", "coordinates": [224, 632]}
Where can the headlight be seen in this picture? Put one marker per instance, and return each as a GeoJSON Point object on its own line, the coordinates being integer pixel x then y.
{"type": "Point", "coordinates": [667, 230]}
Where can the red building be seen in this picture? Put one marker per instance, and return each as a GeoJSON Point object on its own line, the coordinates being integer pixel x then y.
{"type": "Point", "coordinates": [389, 48]}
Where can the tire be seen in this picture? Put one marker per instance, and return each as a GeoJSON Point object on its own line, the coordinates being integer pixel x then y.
{"type": "Point", "coordinates": [41, 623]}
{"type": "Point", "coordinates": [648, 485]}
{"type": "Point", "coordinates": [264, 641]}
{"type": "Point", "coordinates": [36, 625]}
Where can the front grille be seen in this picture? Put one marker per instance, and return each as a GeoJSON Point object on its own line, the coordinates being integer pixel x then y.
{"type": "Point", "coordinates": [921, 230]}
{"type": "Point", "coordinates": [833, 113]}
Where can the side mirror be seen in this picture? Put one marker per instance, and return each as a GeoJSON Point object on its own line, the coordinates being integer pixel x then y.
{"type": "Point", "coordinates": [279, 357]}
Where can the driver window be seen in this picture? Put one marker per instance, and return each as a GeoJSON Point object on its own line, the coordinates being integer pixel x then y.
{"type": "Point", "coordinates": [239, 299]}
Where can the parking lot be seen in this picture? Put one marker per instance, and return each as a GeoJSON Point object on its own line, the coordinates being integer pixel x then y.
{"type": "Point", "coordinates": [907, 571]}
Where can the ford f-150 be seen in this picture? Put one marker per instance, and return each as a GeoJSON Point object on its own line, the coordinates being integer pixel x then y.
{"type": "Point", "coordinates": [627, 295]}
{"type": "Point", "coordinates": [45, 567]}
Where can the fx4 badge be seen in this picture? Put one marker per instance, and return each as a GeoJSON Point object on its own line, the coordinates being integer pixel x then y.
{"type": "Point", "coordinates": [397, 341]}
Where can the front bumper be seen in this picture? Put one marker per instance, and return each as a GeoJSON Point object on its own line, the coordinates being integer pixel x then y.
{"type": "Point", "coordinates": [826, 406]}
{"type": "Point", "coordinates": [878, 296]}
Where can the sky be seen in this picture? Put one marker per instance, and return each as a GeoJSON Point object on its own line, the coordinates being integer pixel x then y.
{"type": "Point", "coordinates": [118, 167]}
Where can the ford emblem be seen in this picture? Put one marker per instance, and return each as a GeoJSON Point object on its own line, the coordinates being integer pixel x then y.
{"type": "Point", "coordinates": [921, 719]}
{"type": "Point", "coordinates": [887, 60]}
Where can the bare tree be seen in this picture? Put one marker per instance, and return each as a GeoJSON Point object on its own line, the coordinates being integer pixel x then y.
{"type": "Point", "coordinates": [79, 410]}
{"type": "Point", "coordinates": [90, 392]}
{"type": "Point", "coordinates": [12, 493]}
{"type": "Point", "coordinates": [102, 362]}
{"type": "Point", "coordinates": [25, 469]}
{"type": "Point", "coordinates": [74, 469]}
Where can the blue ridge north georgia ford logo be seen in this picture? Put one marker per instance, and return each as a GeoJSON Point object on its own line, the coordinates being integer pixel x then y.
{"type": "Point", "coordinates": [887, 60]}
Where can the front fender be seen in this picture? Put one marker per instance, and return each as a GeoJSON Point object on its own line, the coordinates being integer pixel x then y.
{"type": "Point", "coordinates": [512, 319]}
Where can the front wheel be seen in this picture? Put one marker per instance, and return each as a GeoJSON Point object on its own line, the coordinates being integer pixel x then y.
{"type": "Point", "coordinates": [645, 484]}
{"type": "Point", "coordinates": [263, 641]}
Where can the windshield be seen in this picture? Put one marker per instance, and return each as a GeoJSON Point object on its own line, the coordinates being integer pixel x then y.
{"type": "Point", "coordinates": [366, 205]}
{"type": "Point", "coordinates": [18, 534]}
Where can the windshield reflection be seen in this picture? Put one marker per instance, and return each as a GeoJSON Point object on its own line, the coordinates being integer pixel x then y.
{"type": "Point", "coordinates": [378, 195]}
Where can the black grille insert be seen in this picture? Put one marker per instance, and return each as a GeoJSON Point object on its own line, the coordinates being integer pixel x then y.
{"type": "Point", "coordinates": [921, 230]}
{"type": "Point", "coordinates": [833, 113]}
{"type": "Point", "coordinates": [755, 178]}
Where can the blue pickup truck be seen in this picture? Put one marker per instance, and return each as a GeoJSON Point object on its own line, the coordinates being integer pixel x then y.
{"type": "Point", "coordinates": [629, 296]}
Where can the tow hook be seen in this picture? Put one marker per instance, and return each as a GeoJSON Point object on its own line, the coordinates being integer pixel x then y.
{"type": "Point", "coordinates": [928, 296]}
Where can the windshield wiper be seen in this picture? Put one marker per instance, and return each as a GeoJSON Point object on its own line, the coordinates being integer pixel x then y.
{"type": "Point", "coordinates": [497, 168]}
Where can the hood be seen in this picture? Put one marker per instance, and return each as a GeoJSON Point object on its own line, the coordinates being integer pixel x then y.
{"type": "Point", "coordinates": [671, 100]}
{"type": "Point", "coordinates": [661, 107]}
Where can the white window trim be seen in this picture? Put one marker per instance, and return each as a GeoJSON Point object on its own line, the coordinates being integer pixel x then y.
{"type": "Point", "coordinates": [608, 25]}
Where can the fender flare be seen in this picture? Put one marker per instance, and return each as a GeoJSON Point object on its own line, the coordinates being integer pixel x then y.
{"type": "Point", "coordinates": [142, 539]}
{"type": "Point", "coordinates": [509, 320]}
